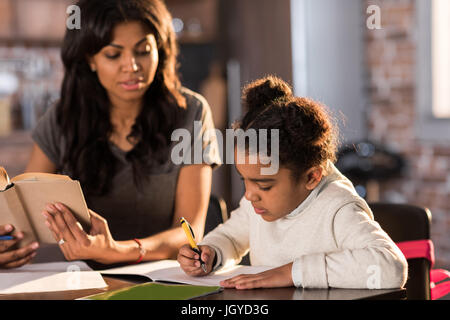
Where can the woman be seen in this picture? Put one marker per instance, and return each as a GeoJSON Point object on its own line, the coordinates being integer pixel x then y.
{"type": "Point", "coordinates": [121, 100]}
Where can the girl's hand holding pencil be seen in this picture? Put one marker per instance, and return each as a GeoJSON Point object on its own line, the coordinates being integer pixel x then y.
{"type": "Point", "coordinates": [190, 260]}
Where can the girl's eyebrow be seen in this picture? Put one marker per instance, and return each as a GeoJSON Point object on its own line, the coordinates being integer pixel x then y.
{"type": "Point", "coordinates": [256, 180]}
{"type": "Point", "coordinates": [262, 180]}
{"type": "Point", "coordinates": [121, 47]}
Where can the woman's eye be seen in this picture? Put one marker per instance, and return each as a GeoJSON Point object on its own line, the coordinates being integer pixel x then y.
{"type": "Point", "coordinates": [265, 188]}
{"type": "Point", "coordinates": [112, 56]}
{"type": "Point", "coordinates": [144, 50]}
{"type": "Point", "coordinates": [143, 53]}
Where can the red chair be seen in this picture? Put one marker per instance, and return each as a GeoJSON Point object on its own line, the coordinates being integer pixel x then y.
{"type": "Point", "coordinates": [409, 227]}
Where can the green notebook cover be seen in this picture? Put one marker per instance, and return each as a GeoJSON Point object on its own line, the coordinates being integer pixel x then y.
{"type": "Point", "coordinates": [157, 291]}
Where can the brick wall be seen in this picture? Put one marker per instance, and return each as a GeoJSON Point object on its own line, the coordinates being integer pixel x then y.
{"type": "Point", "coordinates": [390, 56]}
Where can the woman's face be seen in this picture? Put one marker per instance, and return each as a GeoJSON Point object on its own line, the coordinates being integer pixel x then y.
{"type": "Point", "coordinates": [127, 66]}
{"type": "Point", "coordinates": [275, 196]}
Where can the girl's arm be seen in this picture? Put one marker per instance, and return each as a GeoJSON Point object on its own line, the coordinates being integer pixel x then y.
{"type": "Point", "coordinates": [367, 258]}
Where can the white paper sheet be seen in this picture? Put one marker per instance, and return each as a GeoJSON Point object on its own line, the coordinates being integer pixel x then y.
{"type": "Point", "coordinates": [50, 277]}
{"type": "Point", "coordinates": [169, 270]}
{"type": "Point", "coordinates": [58, 266]}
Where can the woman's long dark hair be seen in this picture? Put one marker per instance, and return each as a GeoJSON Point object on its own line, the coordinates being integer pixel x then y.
{"type": "Point", "coordinates": [83, 109]}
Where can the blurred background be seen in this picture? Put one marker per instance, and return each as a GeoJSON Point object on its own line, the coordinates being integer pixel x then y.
{"type": "Point", "coordinates": [382, 67]}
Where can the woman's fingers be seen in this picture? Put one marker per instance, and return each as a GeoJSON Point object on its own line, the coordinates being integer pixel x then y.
{"type": "Point", "coordinates": [8, 258]}
{"type": "Point", "coordinates": [6, 229]}
{"type": "Point", "coordinates": [77, 243]}
{"type": "Point", "coordinates": [99, 225]}
{"type": "Point", "coordinates": [72, 223]}
{"type": "Point", "coordinates": [20, 262]}
{"type": "Point", "coordinates": [56, 236]}
{"type": "Point", "coordinates": [6, 244]}
{"type": "Point", "coordinates": [14, 258]}
{"type": "Point", "coordinates": [58, 223]}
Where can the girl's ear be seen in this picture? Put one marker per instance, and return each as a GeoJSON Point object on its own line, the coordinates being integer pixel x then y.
{"type": "Point", "coordinates": [313, 177]}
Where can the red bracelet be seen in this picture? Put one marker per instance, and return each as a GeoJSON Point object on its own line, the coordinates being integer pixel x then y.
{"type": "Point", "coordinates": [142, 251]}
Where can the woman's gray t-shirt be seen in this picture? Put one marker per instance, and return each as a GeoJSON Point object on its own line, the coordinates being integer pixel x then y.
{"type": "Point", "coordinates": [132, 213]}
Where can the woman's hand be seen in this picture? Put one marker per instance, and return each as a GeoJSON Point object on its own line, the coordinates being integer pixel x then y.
{"type": "Point", "coordinates": [273, 278]}
{"type": "Point", "coordinates": [190, 263]}
{"type": "Point", "coordinates": [14, 258]}
{"type": "Point", "coordinates": [98, 245]}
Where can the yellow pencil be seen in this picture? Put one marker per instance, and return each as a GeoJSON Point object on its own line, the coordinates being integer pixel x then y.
{"type": "Point", "coordinates": [191, 238]}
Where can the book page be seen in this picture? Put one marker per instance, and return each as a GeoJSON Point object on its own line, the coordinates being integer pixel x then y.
{"type": "Point", "coordinates": [4, 179]}
{"type": "Point", "coordinates": [143, 269]}
{"type": "Point", "coordinates": [176, 274]}
{"type": "Point", "coordinates": [169, 270]}
{"type": "Point", "coordinates": [39, 176]}
{"type": "Point", "coordinates": [35, 195]}
{"type": "Point", "coordinates": [58, 266]}
{"type": "Point", "coordinates": [50, 277]}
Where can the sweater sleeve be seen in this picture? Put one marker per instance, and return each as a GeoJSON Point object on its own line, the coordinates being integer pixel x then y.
{"type": "Point", "coordinates": [366, 256]}
{"type": "Point", "coordinates": [230, 239]}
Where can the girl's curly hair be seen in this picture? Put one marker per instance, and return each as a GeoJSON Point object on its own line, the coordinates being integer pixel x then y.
{"type": "Point", "coordinates": [307, 135]}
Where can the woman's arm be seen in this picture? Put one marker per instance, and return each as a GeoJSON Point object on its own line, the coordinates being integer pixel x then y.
{"type": "Point", "coordinates": [191, 202]}
{"type": "Point", "coordinates": [39, 162]}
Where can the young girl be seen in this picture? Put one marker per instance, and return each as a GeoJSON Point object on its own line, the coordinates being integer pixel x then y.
{"type": "Point", "coordinates": [306, 221]}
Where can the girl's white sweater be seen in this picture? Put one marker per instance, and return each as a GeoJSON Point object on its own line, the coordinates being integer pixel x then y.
{"type": "Point", "coordinates": [331, 238]}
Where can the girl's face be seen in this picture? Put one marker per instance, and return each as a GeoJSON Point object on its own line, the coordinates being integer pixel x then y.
{"type": "Point", "coordinates": [127, 66]}
{"type": "Point", "coordinates": [275, 196]}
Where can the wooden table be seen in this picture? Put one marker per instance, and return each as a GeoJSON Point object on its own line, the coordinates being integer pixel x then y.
{"type": "Point", "coordinates": [229, 294]}
{"type": "Point", "coordinates": [119, 282]}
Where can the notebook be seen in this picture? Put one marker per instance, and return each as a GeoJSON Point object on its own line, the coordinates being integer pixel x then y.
{"type": "Point", "coordinates": [170, 271]}
{"type": "Point", "coordinates": [156, 291]}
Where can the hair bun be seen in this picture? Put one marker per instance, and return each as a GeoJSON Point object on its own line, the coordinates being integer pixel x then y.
{"type": "Point", "coordinates": [262, 92]}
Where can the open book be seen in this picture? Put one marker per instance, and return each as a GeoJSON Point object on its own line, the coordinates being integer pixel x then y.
{"type": "Point", "coordinates": [24, 197]}
{"type": "Point", "coordinates": [170, 271]}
